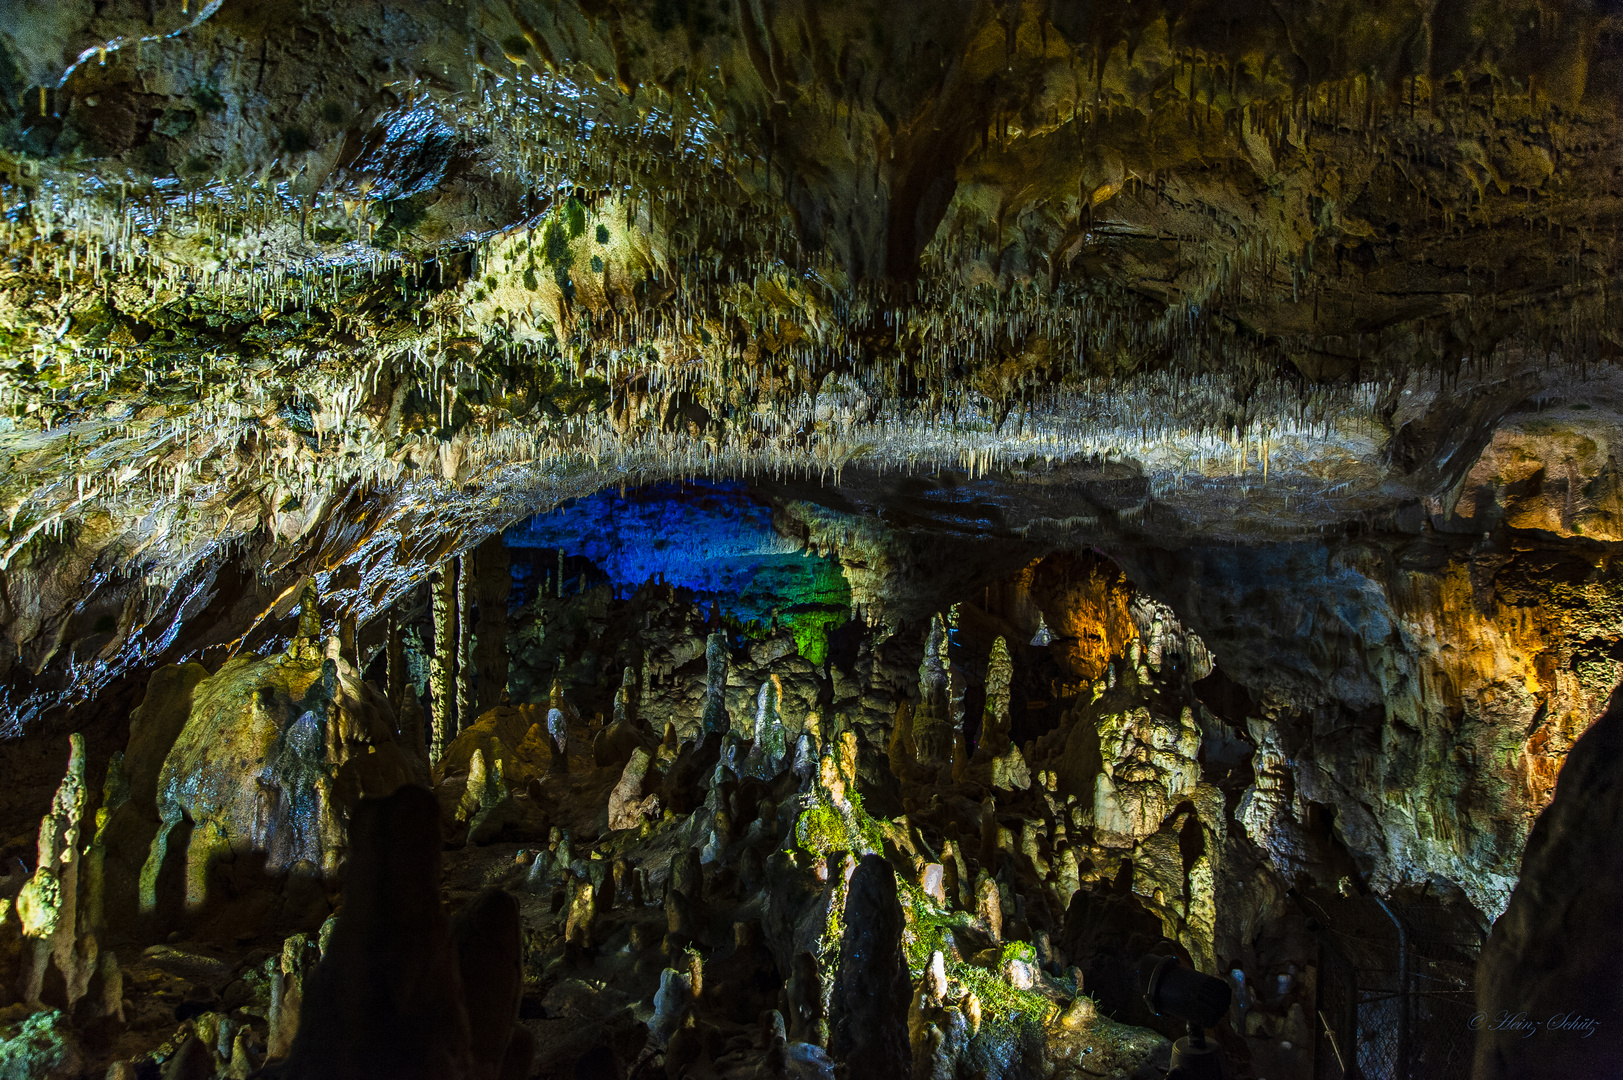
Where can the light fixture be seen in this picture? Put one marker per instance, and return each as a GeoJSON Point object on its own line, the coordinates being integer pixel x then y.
{"type": "Point", "coordinates": [1199, 1000]}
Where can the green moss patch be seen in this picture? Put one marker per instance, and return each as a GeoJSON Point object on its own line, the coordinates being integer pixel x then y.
{"type": "Point", "coordinates": [35, 1047]}
{"type": "Point", "coordinates": [823, 829]}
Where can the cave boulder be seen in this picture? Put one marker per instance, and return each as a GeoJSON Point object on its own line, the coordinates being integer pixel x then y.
{"type": "Point", "coordinates": [258, 784]}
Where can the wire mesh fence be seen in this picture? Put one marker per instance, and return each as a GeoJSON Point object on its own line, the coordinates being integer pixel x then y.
{"type": "Point", "coordinates": [1395, 991]}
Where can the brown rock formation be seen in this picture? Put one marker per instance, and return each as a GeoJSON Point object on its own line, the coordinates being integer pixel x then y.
{"type": "Point", "coordinates": [258, 782]}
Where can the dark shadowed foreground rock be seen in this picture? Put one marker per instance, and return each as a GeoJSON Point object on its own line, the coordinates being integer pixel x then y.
{"type": "Point", "coordinates": [869, 1009]}
{"type": "Point", "coordinates": [387, 999]}
{"type": "Point", "coordinates": [1550, 984]}
{"type": "Point", "coordinates": [489, 951]}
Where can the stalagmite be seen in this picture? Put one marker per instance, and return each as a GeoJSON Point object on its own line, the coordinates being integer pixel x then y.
{"type": "Point", "coordinates": [770, 738]}
{"type": "Point", "coordinates": [715, 693]}
{"type": "Point", "coordinates": [989, 906]}
{"type": "Point", "coordinates": [995, 719]}
{"type": "Point", "coordinates": [560, 716]}
{"type": "Point", "coordinates": [627, 804]}
{"type": "Point", "coordinates": [933, 729]}
{"type": "Point", "coordinates": [62, 962]}
{"type": "Point", "coordinates": [902, 752]}
{"type": "Point", "coordinates": [868, 1016]}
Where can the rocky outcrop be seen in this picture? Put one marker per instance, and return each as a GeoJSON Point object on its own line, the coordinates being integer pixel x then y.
{"type": "Point", "coordinates": [1150, 764]}
{"type": "Point", "coordinates": [1428, 687]}
{"type": "Point", "coordinates": [257, 785]}
{"type": "Point", "coordinates": [1550, 982]}
{"type": "Point", "coordinates": [516, 736]}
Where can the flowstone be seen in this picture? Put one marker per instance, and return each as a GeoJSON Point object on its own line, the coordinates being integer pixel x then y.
{"type": "Point", "coordinates": [257, 785]}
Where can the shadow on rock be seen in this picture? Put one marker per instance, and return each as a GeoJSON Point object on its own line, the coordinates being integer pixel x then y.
{"type": "Point", "coordinates": [401, 992]}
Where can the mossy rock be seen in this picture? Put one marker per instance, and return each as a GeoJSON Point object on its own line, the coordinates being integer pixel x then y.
{"type": "Point", "coordinates": [36, 1046]}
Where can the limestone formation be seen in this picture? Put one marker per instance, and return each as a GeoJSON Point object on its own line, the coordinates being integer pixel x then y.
{"type": "Point", "coordinates": [442, 667]}
{"type": "Point", "coordinates": [628, 806]}
{"type": "Point", "coordinates": [515, 736]}
{"type": "Point", "coordinates": [562, 720]}
{"type": "Point", "coordinates": [814, 492]}
{"type": "Point", "coordinates": [272, 753]}
{"type": "Point", "coordinates": [769, 733]}
{"type": "Point", "coordinates": [995, 719]}
{"type": "Point", "coordinates": [715, 694]}
{"type": "Point", "coordinates": [462, 644]}
{"type": "Point", "coordinates": [1151, 765]}
{"type": "Point", "coordinates": [1552, 961]}
{"type": "Point", "coordinates": [59, 944]}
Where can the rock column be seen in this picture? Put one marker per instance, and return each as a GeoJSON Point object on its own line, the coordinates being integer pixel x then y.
{"type": "Point", "coordinates": [715, 693]}
{"type": "Point", "coordinates": [48, 905]}
{"type": "Point", "coordinates": [933, 726]}
{"type": "Point", "coordinates": [492, 580]}
{"type": "Point", "coordinates": [442, 665]}
{"type": "Point", "coordinates": [872, 993]}
{"type": "Point", "coordinates": [395, 662]}
{"type": "Point", "coordinates": [995, 719]}
{"type": "Point", "coordinates": [464, 641]}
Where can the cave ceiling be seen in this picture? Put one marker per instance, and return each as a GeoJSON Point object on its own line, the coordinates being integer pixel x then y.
{"type": "Point", "coordinates": [335, 290]}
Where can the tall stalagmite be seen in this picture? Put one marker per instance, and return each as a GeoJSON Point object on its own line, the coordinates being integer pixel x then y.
{"type": "Point", "coordinates": [464, 641]}
{"type": "Point", "coordinates": [442, 665]}
{"type": "Point", "coordinates": [715, 692]}
{"type": "Point", "coordinates": [492, 581]}
{"type": "Point", "coordinates": [869, 1004]}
